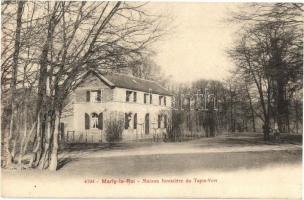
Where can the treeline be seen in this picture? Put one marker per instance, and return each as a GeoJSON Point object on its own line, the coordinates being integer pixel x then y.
{"type": "Point", "coordinates": [209, 107]}
{"type": "Point", "coordinates": [46, 47]}
{"type": "Point", "coordinates": [264, 92]}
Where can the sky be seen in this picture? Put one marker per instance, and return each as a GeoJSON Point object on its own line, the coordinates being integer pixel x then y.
{"type": "Point", "coordinates": [195, 45]}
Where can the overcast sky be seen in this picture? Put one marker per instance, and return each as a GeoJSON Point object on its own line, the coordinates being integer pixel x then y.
{"type": "Point", "coordinates": [195, 48]}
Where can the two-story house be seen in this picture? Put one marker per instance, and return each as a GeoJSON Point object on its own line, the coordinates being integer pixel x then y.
{"type": "Point", "coordinates": [144, 105]}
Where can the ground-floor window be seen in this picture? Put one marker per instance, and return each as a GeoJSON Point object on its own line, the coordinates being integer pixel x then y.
{"type": "Point", "coordinates": [127, 120]}
{"type": "Point", "coordinates": [159, 121]}
{"type": "Point", "coordinates": [94, 117]}
{"type": "Point", "coordinates": [162, 121]}
{"type": "Point", "coordinates": [165, 120]}
{"type": "Point", "coordinates": [93, 121]}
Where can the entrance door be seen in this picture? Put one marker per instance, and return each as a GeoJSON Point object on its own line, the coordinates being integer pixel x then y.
{"type": "Point", "coordinates": [147, 122]}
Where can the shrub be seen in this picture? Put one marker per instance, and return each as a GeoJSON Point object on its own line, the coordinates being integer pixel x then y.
{"type": "Point", "coordinates": [173, 129]}
{"type": "Point", "coordinates": [114, 129]}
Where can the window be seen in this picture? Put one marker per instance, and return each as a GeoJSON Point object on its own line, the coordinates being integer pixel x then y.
{"type": "Point", "coordinates": [165, 121]}
{"type": "Point", "coordinates": [159, 121]}
{"type": "Point", "coordinates": [135, 96]}
{"type": "Point", "coordinates": [162, 100]}
{"type": "Point", "coordinates": [135, 121]}
{"type": "Point", "coordinates": [145, 98]}
{"type": "Point", "coordinates": [150, 98]}
{"type": "Point", "coordinates": [128, 94]}
{"type": "Point", "coordinates": [93, 96]}
{"type": "Point", "coordinates": [127, 120]}
{"type": "Point", "coordinates": [94, 121]}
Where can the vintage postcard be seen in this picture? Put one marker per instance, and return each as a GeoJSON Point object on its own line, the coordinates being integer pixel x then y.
{"type": "Point", "coordinates": [118, 99]}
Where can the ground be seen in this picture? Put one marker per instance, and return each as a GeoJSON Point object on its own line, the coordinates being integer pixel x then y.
{"type": "Point", "coordinates": [239, 165]}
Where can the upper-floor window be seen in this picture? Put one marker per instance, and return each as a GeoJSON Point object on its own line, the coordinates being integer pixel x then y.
{"type": "Point", "coordinates": [129, 96]}
{"type": "Point", "coordinates": [160, 100]}
{"type": "Point", "coordinates": [94, 96]}
{"type": "Point", "coordinates": [146, 98]}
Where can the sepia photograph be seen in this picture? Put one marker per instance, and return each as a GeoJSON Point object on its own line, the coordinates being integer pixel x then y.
{"type": "Point", "coordinates": [138, 99]}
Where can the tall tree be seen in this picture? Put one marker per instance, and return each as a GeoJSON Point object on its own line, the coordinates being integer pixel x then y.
{"type": "Point", "coordinates": [13, 82]}
{"type": "Point", "coordinates": [270, 52]}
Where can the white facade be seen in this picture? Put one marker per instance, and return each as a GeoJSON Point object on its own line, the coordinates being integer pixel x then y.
{"type": "Point", "coordinates": [151, 117]}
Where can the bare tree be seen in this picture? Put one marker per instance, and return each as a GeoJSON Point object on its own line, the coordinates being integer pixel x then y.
{"type": "Point", "coordinates": [270, 54]}
{"type": "Point", "coordinates": [13, 82]}
{"type": "Point", "coordinates": [75, 37]}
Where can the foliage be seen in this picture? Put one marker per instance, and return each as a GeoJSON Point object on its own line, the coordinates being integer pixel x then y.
{"type": "Point", "coordinates": [268, 55]}
{"type": "Point", "coordinates": [173, 128]}
{"type": "Point", "coordinates": [114, 129]}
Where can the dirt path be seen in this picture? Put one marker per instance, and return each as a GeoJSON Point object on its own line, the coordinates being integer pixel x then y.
{"type": "Point", "coordinates": [203, 145]}
{"type": "Point", "coordinates": [243, 166]}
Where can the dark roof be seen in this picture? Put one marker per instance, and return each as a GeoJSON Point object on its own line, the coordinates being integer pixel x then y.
{"type": "Point", "coordinates": [129, 82]}
{"type": "Point", "coordinates": [134, 83]}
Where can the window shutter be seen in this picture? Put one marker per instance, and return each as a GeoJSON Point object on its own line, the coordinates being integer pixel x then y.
{"type": "Point", "coordinates": [135, 121]}
{"type": "Point", "coordinates": [98, 95]}
{"type": "Point", "coordinates": [87, 121]}
{"type": "Point", "coordinates": [126, 121]}
{"type": "Point", "coordinates": [127, 96]}
{"type": "Point", "coordinates": [88, 96]}
{"type": "Point", "coordinates": [165, 121]}
{"type": "Point", "coordinates": [100, 121]}
{"type": "Point", "coordinates": [135, 96]}
{"type": "Point", "coordinates": [165, 101]}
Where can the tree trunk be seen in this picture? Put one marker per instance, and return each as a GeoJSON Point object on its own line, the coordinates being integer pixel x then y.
{"type": "Point", "coordinates": [267, 116]}
{"type": "Point", "coordinates": [28, 138]}
{"type": "Point", "coordinates": [37, 144]}
{"type": "Point", "coordinates": [44, 161]}
{"type": "Point", "coordinates": [281, 106]}
{"type": "Point", "coordinates": [21, 153]}
{"type": "Point", "coordinates": [14, 77]}
{"type": "Point", "coordinates": [42, 110]}
{"type": "Point", "coordinates": [54, 153]}
{"type": "Point", "coordinates": [251, 109]}
{"type": "Point", "coordinates": [297, 117]}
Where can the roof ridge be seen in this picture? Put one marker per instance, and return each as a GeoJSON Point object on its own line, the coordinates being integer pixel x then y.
{"type": "Point", "coordinates": [117, 81]}
{"type": "Point", "coordinates": [131, 76]}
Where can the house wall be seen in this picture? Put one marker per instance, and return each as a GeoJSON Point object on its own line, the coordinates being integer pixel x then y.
{"type": "Point", "coordinates": [113, 100]}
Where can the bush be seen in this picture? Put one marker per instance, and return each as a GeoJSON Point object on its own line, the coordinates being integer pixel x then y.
{"type": "Point", "coordinates": [173, 129]}
{"type": "Point", "coordinates": [114, 129]}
